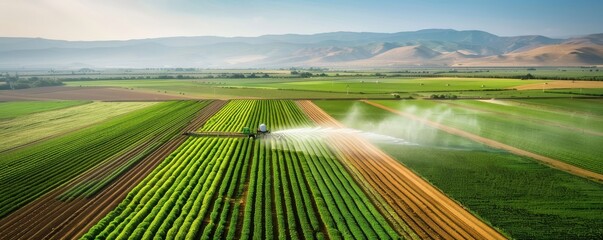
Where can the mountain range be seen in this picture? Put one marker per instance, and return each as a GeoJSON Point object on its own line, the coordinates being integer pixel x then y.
{"type": "Point", "coordinates": [430, 47]}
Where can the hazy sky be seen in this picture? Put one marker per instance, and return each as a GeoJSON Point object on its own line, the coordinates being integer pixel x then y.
{"type": "Point", "coordinates": [128, 19]}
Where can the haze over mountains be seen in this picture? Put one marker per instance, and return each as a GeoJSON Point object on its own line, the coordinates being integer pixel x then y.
{"type": "Point", "coordinates": [432, 47]}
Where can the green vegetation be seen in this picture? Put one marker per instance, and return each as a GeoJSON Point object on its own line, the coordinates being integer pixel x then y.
{"type": "Point", "coordinates": [362, 116]}
{"type": "Point", "coordinates": [251, 113]}
{"type": "Point", "coordinates": [32, 127]}
{"type": "Point", "coordinates": [566, 106]}
{"type": "Point", "coordinates": [30, 172]}
{"type": "Point", "coordinates": [16, 82]}
{"type": "Point", "coordinates": [523, 198]}
{"type": "Point", "coordinates": [562, 141]}
{"type": "Point", "coordinates": [499, 94]}
{"type": "Point", "coordinates": [336, 86]}
{"type": "Point", "coordinates": [216, 188]}
{"type": "Point", "coordinates": [551, 73]}
{"type": "Point", "coordinates": [179, 194]}
{"type": "Point", "coordinates": [579, 91]}
{"type": "Point", "coordinates": [169, 126]}
{"type": "Point", "coordinates": [16, 109]}
{"type": "Point", "coordinates": [292, 188]}
{"type": "Point", "coordinates": [224, 88]}
{"type": "Point", "coordinates": [583, 115]}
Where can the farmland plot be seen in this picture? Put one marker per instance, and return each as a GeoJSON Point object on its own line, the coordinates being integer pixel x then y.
{"type": "Point", "coordinates": [16, 109]}
{"type": "Point", "coordinates": [214, 188]}
{"type": "Point", "coordinates": [523, 198]}
{"type": "Point", "coordinates": [30, 172]}
{"type": "Point", "coordinates": [567, 145]}
{"type": "Point", "coordinates": [54, 217]}
{"type": "Point", "coordinates": [37, 126]}
{"type": "Point", "coordinates": [427, 211]}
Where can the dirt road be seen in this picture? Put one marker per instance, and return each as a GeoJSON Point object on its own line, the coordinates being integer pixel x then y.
{"type": "Point", "coordinates": [428, 211]}
{"type": "Point", "coordinates": [84, 93]}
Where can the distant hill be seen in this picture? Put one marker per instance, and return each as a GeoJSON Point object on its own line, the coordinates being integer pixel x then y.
{"type": "Point", "coordinates": [431, 47]}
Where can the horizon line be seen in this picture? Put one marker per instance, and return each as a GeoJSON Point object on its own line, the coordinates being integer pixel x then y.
{"type": "Point", "coordinates": [298, 34]}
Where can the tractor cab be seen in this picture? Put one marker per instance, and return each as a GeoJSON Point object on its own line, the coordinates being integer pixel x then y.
{"type": "Point", "coordinates": [262, 130]}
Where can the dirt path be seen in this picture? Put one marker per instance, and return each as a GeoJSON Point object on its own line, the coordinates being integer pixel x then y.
{"type": "Point", "coordinates": [425, 209]}
{"type": "Point", "coordinates": [49, 218]}
{"type": "Point", "coordinates": [489, 142]}
{"type": "Point", "coordinates": [85, 93]}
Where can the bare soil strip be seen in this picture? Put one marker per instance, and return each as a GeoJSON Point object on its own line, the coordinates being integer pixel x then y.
{"type": "Point", "coordinates": [428, 211]}
{"type": "Point", "coordinates": [489, 142]}
{"type": "Point", "coordinates": [84, 93]}
{"type": "Point", "coordinates": [49, 218]}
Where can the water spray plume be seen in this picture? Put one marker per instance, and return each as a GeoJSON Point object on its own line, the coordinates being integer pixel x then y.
{"type": "Point", "coordinates": [322, 132]}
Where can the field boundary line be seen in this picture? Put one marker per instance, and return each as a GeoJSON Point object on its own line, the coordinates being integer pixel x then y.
{"type": "Point", "coordinates": [498, 145]}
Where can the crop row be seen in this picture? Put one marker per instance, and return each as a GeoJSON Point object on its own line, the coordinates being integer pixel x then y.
{"type": "Point", "coordinates": [193, 184]}
{"type": "Point", "coordinates": [169, 127]}
{"type": "Point", "coordinates": [276, 114]}
{"type": "Point", "coordinates": [30, 172]}
{"type": "Point", "coordinates": [311, 194]}
{"type": "Point", "coordinates": [29, 128]}
{"type": "Point", "coordinates": [225, 188]}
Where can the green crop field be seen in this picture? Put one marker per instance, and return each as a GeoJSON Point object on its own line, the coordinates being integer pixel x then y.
{"type": "Point", "coordinates": [16, 109]}
{"type": "Point", "coordinates": [388, 85]}
{"type": "Point", "coordinates": [30, 172]}
{"type": "Point", "coordinates": [214, 188]}
{"type": "Point", "coordinates": [566, 106]}
{"type": "Point", "coordinates": [225, 88]}
{"type": "Point", "coordinates": [520, 196]}
{"type": "Point", "coordinates": [35, 126]}
{"type": "Point", "coordinates": [328, 87]}
{"type": "Point", "coordinates": [137, 167]}
{"type": "Point", "coordinates": [569, 142]}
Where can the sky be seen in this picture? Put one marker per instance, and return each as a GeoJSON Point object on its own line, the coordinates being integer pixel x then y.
{"type": "Point", "coordinates": [136, 19]}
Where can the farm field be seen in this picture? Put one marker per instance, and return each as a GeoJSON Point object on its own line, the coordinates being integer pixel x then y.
{"type": "Point", "coordinates": [134, 166]}
{"type": "Point", "coordinates": [84, 93]}
{"type": "Point", "coordinates": [222, 88]}
{"type": "Point", "coordinates": [568, 144]}
{"type": "Point", "coordinates": [16, 109]}
{"type": "Point", "coordinates": [30, 172]}
{"type": "Point", "coordinates": [524, 199]}
{"type": "Point", "coordinates": [567, 106]}
{"type": "Point", "coordinates": [329, 87]}
{"type": "Point", "coordinates": [389, 85]}
{"type": "Point", "coordinates": [31, 128]}
{"type": "Point", "coordinates": [579, 91]}
{"type": "Point", "coordinates": [549, 73]}
{"type": "Point", "coordinates": [54, 217]}
{"type": "Point", "coordinates": [424, 208]}
{"type": "Point", "coordinates": [225, 187]}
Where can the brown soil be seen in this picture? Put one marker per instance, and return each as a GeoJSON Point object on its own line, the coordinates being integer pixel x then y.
{"type": "Point", "coordinates": [561, 84]}
{"type": "Point", "coordinates": [83, 93]}
{"type": "Point", "coordinates": [428, 211]}
{"type": "Point", "coordinates": [549, 161]}
{"type": "Point", "coordinates": [49, 218]}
